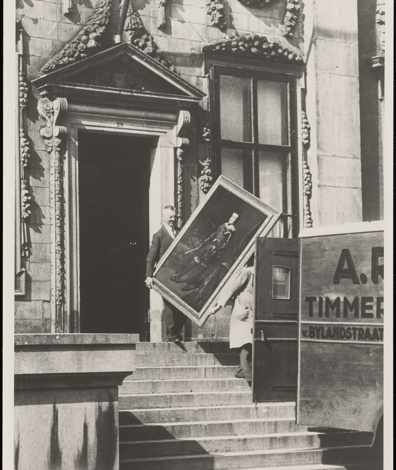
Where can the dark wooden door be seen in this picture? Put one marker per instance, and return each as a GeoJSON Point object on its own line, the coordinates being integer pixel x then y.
{"type": "Point", "coordinates": [113, 214]}
{"type": "Point", "coordinates": [276, 314]}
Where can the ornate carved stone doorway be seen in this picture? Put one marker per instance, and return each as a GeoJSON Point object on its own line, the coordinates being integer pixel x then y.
{"type": "Point", "coordinates": [161, 114]}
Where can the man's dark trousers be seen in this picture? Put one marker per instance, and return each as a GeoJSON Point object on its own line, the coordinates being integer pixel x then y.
{"type": "Point", "coordinates": [174, 320]}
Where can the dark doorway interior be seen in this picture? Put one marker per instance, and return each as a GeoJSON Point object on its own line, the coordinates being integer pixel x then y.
{"type": "Point", "coordinates": [114, 175]}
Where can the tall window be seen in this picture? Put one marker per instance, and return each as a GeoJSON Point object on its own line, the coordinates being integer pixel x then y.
{"type": "Point", "coordinates": [254, 121]}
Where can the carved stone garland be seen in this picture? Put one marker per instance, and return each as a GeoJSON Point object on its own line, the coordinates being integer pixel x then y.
{"type": "Point", "coordinates": [206, 179]}
{"type": "Point", "coordinates": [139, 37]}
{"type": "Point", "coordinates": [290, 19]}
{"type": "Point", "coordinates": [87, 42]}
{"type": "Point", "coordinates": [52, 135]}
{"type": "Point", "coordinates": [24, 148]}
{"type": "Point", "coordinates": [183, 126]}
{"type": "Point", "coordinates": [23, 91]}
{"type": "Point", "coordinates": [380, 20]}
{"type": "Point", "coordinates": [254, 46]}
{"type": "Point", "coordinates": [24, 156]}
{"type": "Point", "coordinates": [215, 10]}
{"type": "Point", "coordinates": [307, 176]}
{"type": "Point", "coordinates": [25, 201]}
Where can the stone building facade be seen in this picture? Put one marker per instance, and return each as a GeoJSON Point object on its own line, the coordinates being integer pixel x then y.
{"type": "Point", "coordinates": [126, 106]}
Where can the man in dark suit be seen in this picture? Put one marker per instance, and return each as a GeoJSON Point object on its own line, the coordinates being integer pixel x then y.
{"type": "Point", "coordinates": [173, 318]}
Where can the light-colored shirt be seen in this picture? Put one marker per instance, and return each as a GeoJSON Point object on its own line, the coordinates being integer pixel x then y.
{"type": "Point", "coordinates": [170, 230]}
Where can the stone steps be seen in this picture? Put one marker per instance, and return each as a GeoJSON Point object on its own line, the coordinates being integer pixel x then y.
{"type": "Point", "coordinates": [248, 459]}
{"type": "Point", "coordinates": [190, 347]}
{"type": "Point", "coordinates": [187, 372]}
{"type": "Point", "coordinates": [213, 444]}
{"type": "Point", "coordinates": [184, 385]}
{"type": "Point", "coordinates": [197, 429]}
{"type": "Point", "coordinates": [206, 413]}
{"type": "Point", "coordinates": [187, 359]}
{"type": "Point", "coordinates": [183, 409]}
{"type": "Point", "coordinates": [360, 466]}
{"type": "Point", "coordinates": [174, 400]}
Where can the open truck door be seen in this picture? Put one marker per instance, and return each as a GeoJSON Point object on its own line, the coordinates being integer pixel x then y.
{"type": "Point", "coordinates": [276, 314]}
{"type": "Point", "coordinates": [340, 341]}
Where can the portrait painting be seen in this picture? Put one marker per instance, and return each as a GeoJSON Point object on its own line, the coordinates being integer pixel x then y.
{"type": "Point", "coordinates": [216, 239]}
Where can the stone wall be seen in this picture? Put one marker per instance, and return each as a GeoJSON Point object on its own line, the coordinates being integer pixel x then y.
{"type": "Point", "coordinates": [332, 100]}
{"type": "Point", "coordinates": [66, 399]}
{"type": "Point", "coordinates": [188, 27]}
{"type": "Point", "coordinates": [46, 30]}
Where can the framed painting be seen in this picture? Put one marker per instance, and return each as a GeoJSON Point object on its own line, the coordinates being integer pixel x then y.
{"type": "Point", "coordinates": [218, 237]}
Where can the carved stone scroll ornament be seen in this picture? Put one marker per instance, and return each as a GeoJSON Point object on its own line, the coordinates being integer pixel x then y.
{"type": "Point", "coordinates": [307, 175]}
{"type": "Point", "coordinates": [161, 17]}
{"type": "Point", "coordinates": [52, 135]}
{"type": "Point", "coordinates": [183, 126]}
{"type": "Point", "coordinates": [380, 20]}
{"type": "Point", "coordinates": [215, 10]}
{"type": "Point", "coordinates": [290, 19]}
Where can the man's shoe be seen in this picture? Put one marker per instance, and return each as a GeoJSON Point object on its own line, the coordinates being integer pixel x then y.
{"type": "Point", "coordinates": [174, 339]}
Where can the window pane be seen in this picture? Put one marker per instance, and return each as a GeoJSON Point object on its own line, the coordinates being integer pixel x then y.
{"type": "Point", "coordinates": [234, 163]}
{"type": "Point", "coordinates": [282, 228]}
{"type": "Point", "coordinates": [272, 112]}
{"type": "Point", "coordinates": [280, 283]}
{"type": "Point", "coordinates": [235, 108]}
{"type": "Point", "coordinates": [272, 180]}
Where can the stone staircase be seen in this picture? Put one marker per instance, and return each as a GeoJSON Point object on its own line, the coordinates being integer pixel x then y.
{"type": "Point", "coordinates": [183, 409]}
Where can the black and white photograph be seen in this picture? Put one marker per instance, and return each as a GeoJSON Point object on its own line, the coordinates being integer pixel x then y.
{"type": "Point", "coordinates": [198, 234]}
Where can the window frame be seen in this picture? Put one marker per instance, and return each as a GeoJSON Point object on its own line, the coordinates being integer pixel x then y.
{"type": "Point", "coordinates": [251, 171]}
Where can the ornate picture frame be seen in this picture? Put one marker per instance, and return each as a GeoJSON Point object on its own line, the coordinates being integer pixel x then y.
{"type": "Point", "coordinates": [217, 239]}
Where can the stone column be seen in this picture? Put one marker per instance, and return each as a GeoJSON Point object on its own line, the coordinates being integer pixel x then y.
{"type": "Point", "coordinates": [52, 134]}
{"type": "Point", "coordinates": [183, 126]}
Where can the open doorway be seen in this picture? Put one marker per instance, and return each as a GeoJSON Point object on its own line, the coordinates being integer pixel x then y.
{"type": "Point", "coordinates": [114, 175]}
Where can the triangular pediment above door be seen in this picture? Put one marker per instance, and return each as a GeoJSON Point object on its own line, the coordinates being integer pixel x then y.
{"type": "Point", "coordinates": [124, 68]}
